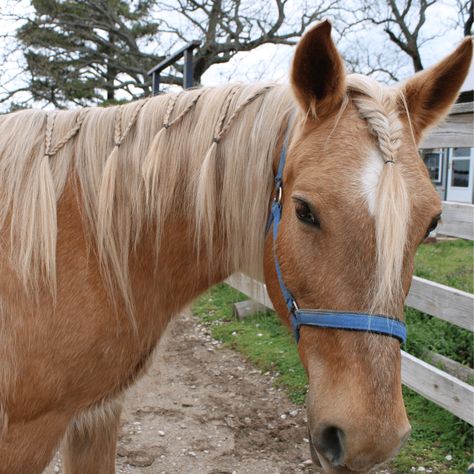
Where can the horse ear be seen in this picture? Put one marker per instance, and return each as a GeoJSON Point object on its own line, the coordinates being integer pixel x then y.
{"type": "Point", "coordinates": [429, 94]}
{"type": "Point", "coordinates": [318, 75]}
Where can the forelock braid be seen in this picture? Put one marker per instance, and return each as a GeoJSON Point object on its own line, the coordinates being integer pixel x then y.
{"type": "Point", "coordinates": [384, 123]}
{"type": "Point", "coordinates": [378, 106]}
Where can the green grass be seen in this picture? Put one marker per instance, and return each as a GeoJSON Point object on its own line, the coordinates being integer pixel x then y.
{"type": "Point", "coordinates": [269, 346]}
{"type": "Point", "coordinates": [450, 263]}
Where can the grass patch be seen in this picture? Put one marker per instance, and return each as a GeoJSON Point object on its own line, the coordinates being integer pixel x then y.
{"type": "Point", "coordinates": [450, 263]}
{"type": "Point", "coordinates": [269, 346]}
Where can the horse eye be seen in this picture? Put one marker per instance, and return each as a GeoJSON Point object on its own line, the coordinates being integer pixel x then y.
{"type": "Point", "coordinates": [433, 225]}
{"type": "Point", "coordinates": [305, 214]}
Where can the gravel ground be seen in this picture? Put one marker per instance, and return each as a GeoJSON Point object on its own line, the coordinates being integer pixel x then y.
{"type": "Point", "coordinates": [202, 409]}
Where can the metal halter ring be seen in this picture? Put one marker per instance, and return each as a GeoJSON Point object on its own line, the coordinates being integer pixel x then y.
{"type": "Point", "coordinates": [278, 194]}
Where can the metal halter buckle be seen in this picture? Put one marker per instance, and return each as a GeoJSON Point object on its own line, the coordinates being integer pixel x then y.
{"type": "Point", "coordinates": [279, 193]}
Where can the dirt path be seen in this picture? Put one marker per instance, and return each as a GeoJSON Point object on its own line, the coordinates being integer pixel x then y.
{"type": "Point", "coordinates": [203, 409]}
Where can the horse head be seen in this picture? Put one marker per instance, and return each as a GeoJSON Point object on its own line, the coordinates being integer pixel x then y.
{"type": "Point", "coordinates": [356, 202]}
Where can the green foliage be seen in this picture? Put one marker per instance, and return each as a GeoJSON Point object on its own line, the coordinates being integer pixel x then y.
{"type": "Point", "coordinates": [436, 433]}
{"type": "Point", "coordinates": [84, 51]}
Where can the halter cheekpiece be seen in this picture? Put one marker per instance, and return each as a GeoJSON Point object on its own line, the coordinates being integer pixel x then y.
{"type": "Point", "coordinates": [347, 320]}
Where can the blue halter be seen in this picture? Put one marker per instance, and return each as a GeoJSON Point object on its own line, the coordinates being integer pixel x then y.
{"type": "Point", "coordinates": [353, 321]}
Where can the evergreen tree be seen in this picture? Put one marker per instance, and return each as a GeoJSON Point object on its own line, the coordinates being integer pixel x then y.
{"type": "Point", "coordinates": [84, 51]}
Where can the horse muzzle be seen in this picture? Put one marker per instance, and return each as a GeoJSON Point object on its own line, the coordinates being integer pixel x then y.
{"type": "Point", "coordinates": [331, 448]}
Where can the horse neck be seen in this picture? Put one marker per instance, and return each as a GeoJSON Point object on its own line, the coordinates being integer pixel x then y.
{"type": "Point", "coordinates": [232, 238]}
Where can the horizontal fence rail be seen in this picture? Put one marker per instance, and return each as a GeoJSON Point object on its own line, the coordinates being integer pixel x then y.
{"type": "Point", "coordinates": [457, 220]}
{"type": "Point", "coordinates": [432, 383]}
{"type": "Point", "coordinates": [438, 386]}
{"type": "Point", "coordinates": [444, 302]}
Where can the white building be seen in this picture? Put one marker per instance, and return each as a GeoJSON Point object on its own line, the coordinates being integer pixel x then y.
{"type": "Point", "coordinates": [448, 151]}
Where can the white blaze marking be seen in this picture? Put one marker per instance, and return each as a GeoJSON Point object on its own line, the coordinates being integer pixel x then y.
{"type": "Point", "coordinates": [370, 178]}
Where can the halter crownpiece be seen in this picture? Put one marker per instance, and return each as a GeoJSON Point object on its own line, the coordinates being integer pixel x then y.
{"type": "Point", "coordinates": [347, 320]}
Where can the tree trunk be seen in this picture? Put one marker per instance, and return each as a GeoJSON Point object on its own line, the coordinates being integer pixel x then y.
{"type": "Point", "coordinates": [111, 72]}
{"type": "Point", "coordinates": [417, 64]}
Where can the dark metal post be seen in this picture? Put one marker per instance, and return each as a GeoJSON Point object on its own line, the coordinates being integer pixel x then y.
{"type": "Point", "coordinates": [187, 52]}
{"type": "Point", "coordinates": [156, 82]}
{"type": "Point", "coordinates": [188, 69]}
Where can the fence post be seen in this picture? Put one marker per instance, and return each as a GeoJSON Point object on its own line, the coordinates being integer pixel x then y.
{"type": "Point", "coordinates": [155, 83]}
{"type": "Point", "coordinates": [188, 69]}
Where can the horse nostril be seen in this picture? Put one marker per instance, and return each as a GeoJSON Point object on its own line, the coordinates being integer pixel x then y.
{"type": "Point", "coordinates": [330, 443]}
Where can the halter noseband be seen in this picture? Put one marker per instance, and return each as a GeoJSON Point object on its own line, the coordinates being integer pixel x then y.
{"type": "Point", "coordinates": [353, 321]}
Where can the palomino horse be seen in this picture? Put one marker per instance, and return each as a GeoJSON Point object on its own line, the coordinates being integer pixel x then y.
{"type": "Point", "coordinates": [115, 219]}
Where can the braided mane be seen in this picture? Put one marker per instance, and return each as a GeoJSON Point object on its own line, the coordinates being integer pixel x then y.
{"type": "Point", "coordinates": [208, 150]}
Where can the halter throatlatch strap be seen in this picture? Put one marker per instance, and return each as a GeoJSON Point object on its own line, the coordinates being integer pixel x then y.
{"type": "Point", "coordinates": [353, 321]}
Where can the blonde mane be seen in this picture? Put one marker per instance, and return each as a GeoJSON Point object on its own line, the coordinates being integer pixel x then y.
{"type": "Point", "coordinates": [208, 149]}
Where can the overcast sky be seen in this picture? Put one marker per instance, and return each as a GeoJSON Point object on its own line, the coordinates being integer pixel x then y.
{"type": "Point", "coordinates": [271, 62]}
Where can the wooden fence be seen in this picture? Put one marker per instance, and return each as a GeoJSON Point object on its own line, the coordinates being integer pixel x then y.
{"type": "Point", "coordinates": [441, 301]}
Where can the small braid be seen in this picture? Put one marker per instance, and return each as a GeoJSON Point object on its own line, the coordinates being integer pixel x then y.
{"type": "Point", "coordinates": [74, 130]}
{"type": "Point", "coordinates": [118, 126]}
{"type": "Point", "coordinates": [220, 123]}
{"type": "Point", "coordinates": [173, 99]}
{"type": "Point", "coordinates": [132, 120]}
{"type": "Point", "coordinates": [185, 111]}
{"type": "Point", "coordinates": [119, 135]}
{"type": "Point", "coordinates": [239, 109]}
{"type": "Point", "coordinates": [50, 121]}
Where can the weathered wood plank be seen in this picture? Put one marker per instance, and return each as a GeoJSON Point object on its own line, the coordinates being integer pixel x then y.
{"type": "Point", "coordinates": [439, 387]}
{"type": "Point", "coordinates": [457, 220]}
{"type": "Point", "coordinates": [455, 131]}
{"type": "Point", "coordinates": [250, 287]}
{"type": "Point", "coordinates": [462, 108]}
{"type": "Point", "coordinates": [462, 372]}
{"type": "Point", "coordinates": [444, 302]}
{"type": "Point", "coordinates": [242, 309]}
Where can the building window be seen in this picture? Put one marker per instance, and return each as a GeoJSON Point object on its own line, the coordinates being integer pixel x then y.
{"type": "Point", "coordinates": [460, 173]}
{"type": "Point", "coordinates": [462, 151]}
{"type": "Point", "coordinates": [433, 160]}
